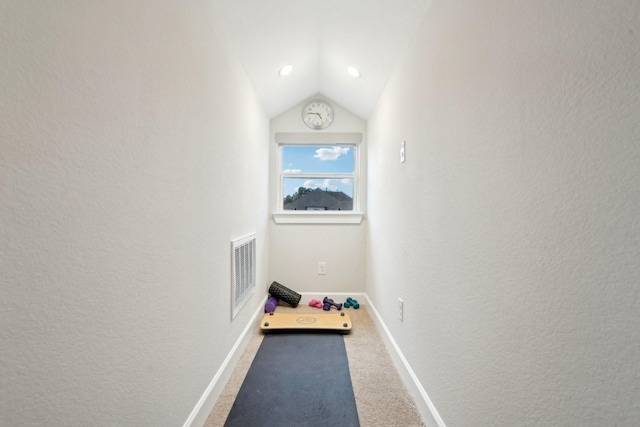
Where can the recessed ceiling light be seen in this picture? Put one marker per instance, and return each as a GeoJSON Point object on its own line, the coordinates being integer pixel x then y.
{"type": "Point", "coordinates": [353, 71]}
{"type": "Point", "coordinates": [285, 70]}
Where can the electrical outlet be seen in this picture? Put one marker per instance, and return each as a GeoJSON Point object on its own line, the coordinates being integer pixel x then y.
{"type": "Point", "coordinates": [322, 267]}
{"type": "Point", "coordinates": [401, 309]}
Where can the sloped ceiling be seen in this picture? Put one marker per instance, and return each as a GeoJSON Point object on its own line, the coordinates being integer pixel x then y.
{"type": "Point", "coordinates": [320, 39]}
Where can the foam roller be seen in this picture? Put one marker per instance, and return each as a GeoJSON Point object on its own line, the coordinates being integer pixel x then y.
{"type": "Point", "coordinates": [285, 294]}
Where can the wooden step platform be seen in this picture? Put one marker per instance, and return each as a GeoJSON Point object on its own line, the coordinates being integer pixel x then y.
{"type": "Point", "coordinates": [301, 321]}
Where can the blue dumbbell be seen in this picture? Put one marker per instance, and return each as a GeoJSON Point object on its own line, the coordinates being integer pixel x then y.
{"type": "Point", "coordinates": [350, 302]}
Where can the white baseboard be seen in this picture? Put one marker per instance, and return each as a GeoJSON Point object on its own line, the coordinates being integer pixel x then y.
{"type": "Point", "coordinates": [205, 405]}
{"type": "Point", "coordinates": [424, 404]}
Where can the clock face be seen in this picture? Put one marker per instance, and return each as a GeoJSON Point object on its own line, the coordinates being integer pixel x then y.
{"type": "Point", "coordinates": [317, 114]}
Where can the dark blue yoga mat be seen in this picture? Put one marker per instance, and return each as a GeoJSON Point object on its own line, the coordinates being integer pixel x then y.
{"type": "Point", "coordinates": [297, 379]}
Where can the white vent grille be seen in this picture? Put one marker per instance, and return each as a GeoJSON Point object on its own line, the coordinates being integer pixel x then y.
{"type": "Point", "coordinates": [243, 266]}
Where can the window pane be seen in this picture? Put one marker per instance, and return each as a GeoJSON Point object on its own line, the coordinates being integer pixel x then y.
{"type": "Point", "coordinates": [318, 194]}
{"type": "Point", "coordinates": [316, 158]}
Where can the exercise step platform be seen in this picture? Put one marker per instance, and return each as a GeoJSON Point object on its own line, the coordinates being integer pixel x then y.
{"type": "Point", "coordinates": [297, 321]}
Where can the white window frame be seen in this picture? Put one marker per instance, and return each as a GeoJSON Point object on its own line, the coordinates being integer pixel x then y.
{"type": "Point", "coordinates": [281, 216]}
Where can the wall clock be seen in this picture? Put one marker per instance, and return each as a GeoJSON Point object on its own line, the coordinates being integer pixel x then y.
{"type": "Point", "coordinates": [317, 114]}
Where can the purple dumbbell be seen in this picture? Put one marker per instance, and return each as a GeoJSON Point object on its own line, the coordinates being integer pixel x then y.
{"type": "Point", "coordinates": [329, 301]}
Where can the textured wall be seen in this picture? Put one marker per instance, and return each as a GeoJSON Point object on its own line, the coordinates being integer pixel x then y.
{"type": "Point", "coordinates": [132, 150]}
{"type": "Point", "coordinates": [513, 229]}
{"type": "Point", "coordinates": [296, 249]}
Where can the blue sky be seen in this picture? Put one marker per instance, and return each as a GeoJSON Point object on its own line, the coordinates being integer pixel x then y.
{"type": "Point", "coordinates": [309, 159]}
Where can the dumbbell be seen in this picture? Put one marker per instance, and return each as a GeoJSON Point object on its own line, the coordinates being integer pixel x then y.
{"type": "Point", "coordinates": [328, 302]}
{"type": "Point", "coordinates": [350, 302]}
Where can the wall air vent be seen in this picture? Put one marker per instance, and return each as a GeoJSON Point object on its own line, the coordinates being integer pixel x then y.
{"type": "Point", "coordinates": [243, 272]}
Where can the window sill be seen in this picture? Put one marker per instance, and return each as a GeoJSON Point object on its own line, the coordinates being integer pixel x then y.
{"type": "Point", "coordinates": [317, 217]}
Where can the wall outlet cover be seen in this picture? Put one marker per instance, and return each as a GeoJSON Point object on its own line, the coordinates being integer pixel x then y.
{"type": "Point", "coordinates": [322, 267]}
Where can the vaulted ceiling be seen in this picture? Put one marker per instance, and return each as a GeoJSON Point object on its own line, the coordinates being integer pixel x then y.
{"type": "Point", "coordinates": [320, 39]}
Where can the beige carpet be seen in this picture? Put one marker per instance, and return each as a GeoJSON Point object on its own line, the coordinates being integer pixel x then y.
{"type": "Point", "coordinates": [381, 397]}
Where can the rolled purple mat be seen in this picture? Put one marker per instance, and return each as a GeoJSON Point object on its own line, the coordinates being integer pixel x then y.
{"type": "Point", "coordinates": [271, 304]}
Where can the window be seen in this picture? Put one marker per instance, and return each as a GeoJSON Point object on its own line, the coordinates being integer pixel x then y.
{"type": "Point", "coordinates": [318, 178]}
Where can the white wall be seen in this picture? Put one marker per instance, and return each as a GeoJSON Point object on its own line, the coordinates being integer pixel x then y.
{"type": "Point", "coordinates": [512, 231]}
{"type": "Point", "coordinates": [296, 249]}
{"type": "Point", "coordinates": [132, 150]}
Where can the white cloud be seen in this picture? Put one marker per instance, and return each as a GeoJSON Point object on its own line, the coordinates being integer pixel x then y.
{"type": "Point", "coordinates": [332, 153]}
{"type": "Point", "coordinates": [292, 171]}
{"type": "Point", "coordinates": [325, 184]}
{"type": "Point", "coordinates": [310, 184]}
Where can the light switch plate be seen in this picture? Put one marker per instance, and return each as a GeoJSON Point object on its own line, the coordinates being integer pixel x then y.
{"type": "Point", "coordinates": [402, 151]}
